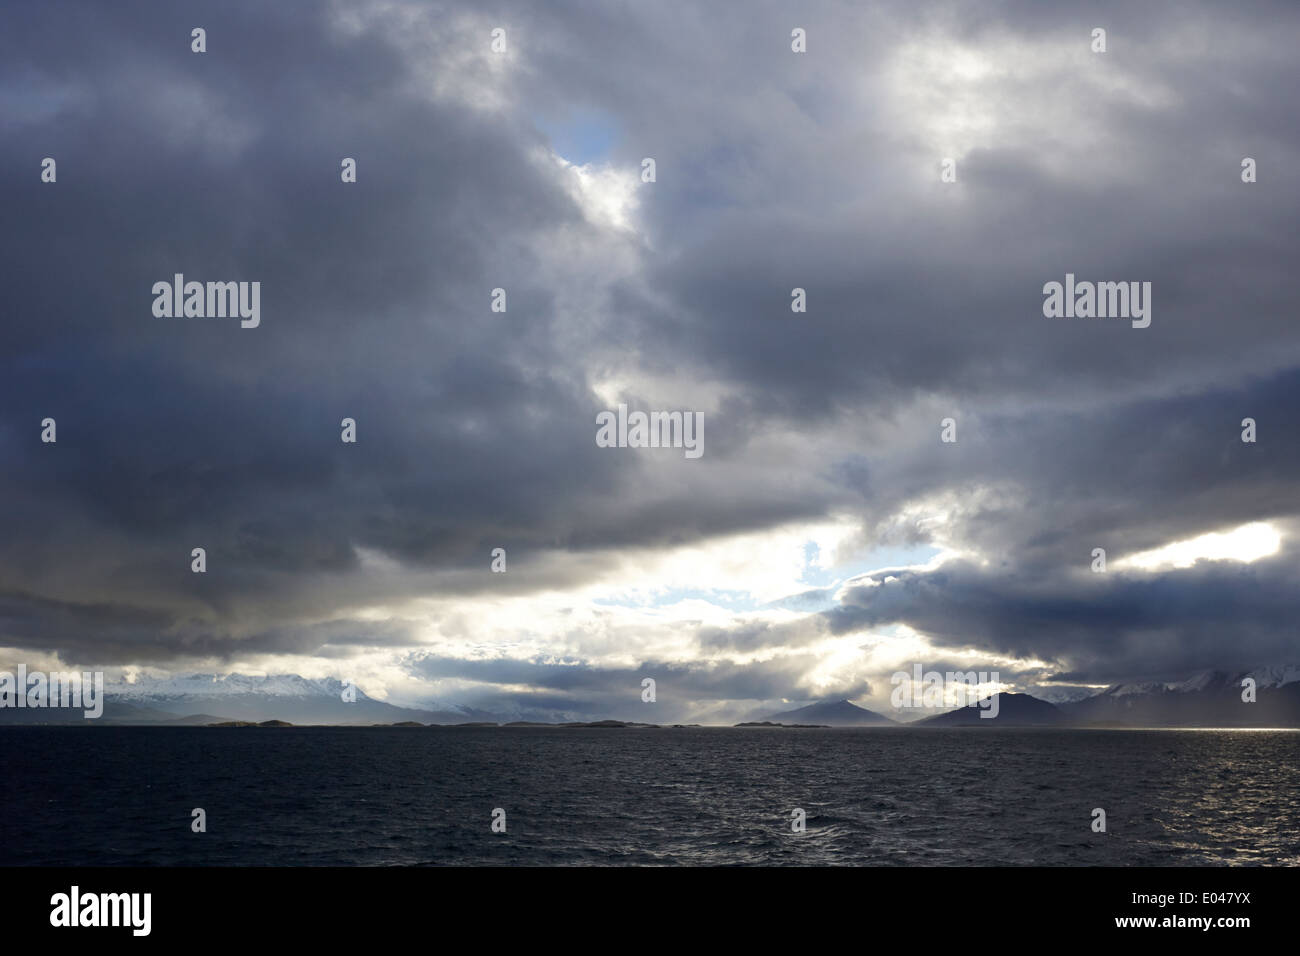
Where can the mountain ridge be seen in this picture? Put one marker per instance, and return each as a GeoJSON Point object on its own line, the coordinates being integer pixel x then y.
{"type": "Point", "coordinates": [836, 713]}
{"type": "Point", "coordinates": [1013, 710]}
{"type": "Point", "coordinates": [1210, 698]}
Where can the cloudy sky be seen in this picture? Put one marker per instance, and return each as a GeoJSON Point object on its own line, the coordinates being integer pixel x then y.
{"type": "Point", "coordinates": [827, 537]}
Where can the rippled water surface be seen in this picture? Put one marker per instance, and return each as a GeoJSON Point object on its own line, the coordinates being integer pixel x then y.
{"type": "Point", "coordinates": [425, 796]}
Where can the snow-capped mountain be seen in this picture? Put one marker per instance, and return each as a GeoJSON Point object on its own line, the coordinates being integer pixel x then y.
{"type": "Point", "coordinates": [290, 697]}
{"type": "Point", "coordinates": [215, 698]}
{"type": "Point", "coordinates": [222, 685]}
{"type": "Point", "coordinates": [1270, 676]}
{"type": "Point", "coordinates": [1140, 687]}
{"type": "Point", "coordinates": [1210, 698]}
{"type": "Point", "coordinates": [1060, 695]}
{"type": "Point", "coordinates": [1275, 675]}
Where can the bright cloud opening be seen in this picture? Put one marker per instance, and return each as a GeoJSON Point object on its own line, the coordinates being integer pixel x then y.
{"type": "Point", "coordinates": [1248, 543]}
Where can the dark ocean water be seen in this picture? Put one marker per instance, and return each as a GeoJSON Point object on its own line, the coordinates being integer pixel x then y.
{"type": "Point", "coordinates": [383, 796]}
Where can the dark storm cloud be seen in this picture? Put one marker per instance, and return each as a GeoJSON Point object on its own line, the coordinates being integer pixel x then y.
{"type": "Point", "coordinates": [176, 433]}
{"type": "Point", "coordinates": [476, 429]}
{"type": "Point", "coordinates": [1216, 614]}
{"type": "Point", "coordinates": [1128, 481]}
